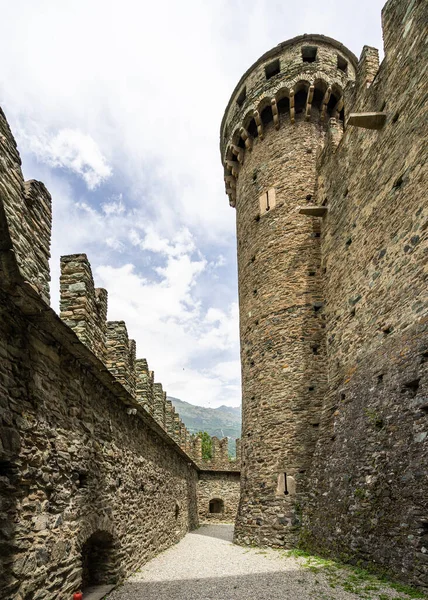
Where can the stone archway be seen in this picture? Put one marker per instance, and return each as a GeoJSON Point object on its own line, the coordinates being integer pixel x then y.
{"type": "Point", "coordinates": [99, 561]}
{"type": "Point", "coordinates": [216, 506]}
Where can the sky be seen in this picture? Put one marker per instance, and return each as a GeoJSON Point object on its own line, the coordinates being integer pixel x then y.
{"type": "Point", "coordinates": [116, 106]}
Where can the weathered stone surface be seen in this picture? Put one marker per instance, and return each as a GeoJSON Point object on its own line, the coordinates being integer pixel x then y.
{"type": "Point", "coordinates": [91, 484]}
{"type": "Point", "coordinates": [222, 487]}
{"type": "Point", "coordinates": [333, 313]}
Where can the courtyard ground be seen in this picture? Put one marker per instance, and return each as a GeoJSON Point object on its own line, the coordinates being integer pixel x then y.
{"type": "Point", "coordinates": [205, 565]}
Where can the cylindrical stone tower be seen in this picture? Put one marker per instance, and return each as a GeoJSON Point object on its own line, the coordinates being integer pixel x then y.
{"type": "Point", "coordinates": [273, 128]}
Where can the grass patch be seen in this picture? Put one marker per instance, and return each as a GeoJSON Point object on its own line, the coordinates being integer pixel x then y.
{"type": "Point", "coordinates": [354, 580]}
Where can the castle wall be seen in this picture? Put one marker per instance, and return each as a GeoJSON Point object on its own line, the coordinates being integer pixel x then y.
{"type": "Point", "coordinates": [88, 454]}
{"type": "Point", "coordinates": [369, 478]}
{"type": "Point", "coordinates": [218, 486]}
{"type": "Point", "coordinates": [270, 142]}
{"type": "Point", "coordinates": [73, 462]}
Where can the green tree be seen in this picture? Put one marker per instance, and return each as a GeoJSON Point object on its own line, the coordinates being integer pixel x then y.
{"type": "Point", "coordinates": [207, 445]}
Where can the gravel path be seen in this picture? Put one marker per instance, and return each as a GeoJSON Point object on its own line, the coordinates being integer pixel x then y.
{"type": "Point", "coordinates": [205, 565]}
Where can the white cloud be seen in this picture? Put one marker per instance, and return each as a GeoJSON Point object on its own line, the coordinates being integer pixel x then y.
{"type": "Point", "coordinates": [129, 96]}
{"type": "Point", "coordinates": [68, 149]}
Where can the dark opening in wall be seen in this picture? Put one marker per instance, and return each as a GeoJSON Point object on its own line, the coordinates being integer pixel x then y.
{"type": "Point", "coordinates": [311, 273]}
{"type": "Point", "coordinates": [386, 331]}
{"type": "Point", "coordinates": [98, 560]}
{"type": "Point", "coordinates": [398, 183]}
{"type": "Point", "coordinates": [315, 425]}
{"type": "Point", "coordinates": [283, 105]}
{"type": "Point", "coordinates": [395, 117]}
{"type": "Point", "coordinates": [342, 64]}
{"type": "Point", "coordinates": [82, 480]}
{"type": "Point", "coordinates": [311, 388]}
{"type": "Point", "coordinates": [216, 506]}
{"type": "Point", "coordinates": [317, 234]}
{"type": "Point", "coordinates": [315, 348]}
{"type": "Point", "coordinates": [380, 379]}
{"type": "Point", "coordinates": [348, 242]}
{"type": "Point", "coordinates": [300, 101]}
{"type": "Point", "coordinates": [308, 198]}
{"type": "Point", "coordinates": [272, 69]}
{"type": "Point", "coordinates": [7, 469]}
{"type": "Point", "coordinates": [252, 129]}
{"type": "Point", "coordinates": [241, 98]}
{"type": "Point", "coordinates": [411, 387]}
{"type": "Point", "coordinates": [266, 115]}
{"type": "Point", "coordinates": [309, 53]}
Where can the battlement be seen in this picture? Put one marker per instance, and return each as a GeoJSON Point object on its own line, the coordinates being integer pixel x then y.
{"type": "Point", "coordinates": [84, 310]}
{"type": "Point", "coordinates": [28, 210]}
{"type": "Point", "coordinates": [220, 460]}
{"type": "Point", "coordinates": [301, 79]}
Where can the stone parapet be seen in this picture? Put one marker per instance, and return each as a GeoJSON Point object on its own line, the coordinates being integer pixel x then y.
{"type": "Point", "coordinates": [27, 209]}
{"type": "Point", "coordinates": [82, 307]}
{"type": "Point", "coordinates": [143, 389]}
{"type": "Point", "coordinates": [120, 354]}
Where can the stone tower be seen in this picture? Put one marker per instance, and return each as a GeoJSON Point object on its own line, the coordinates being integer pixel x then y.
{"type": "Point", "coordinates": [273, 128]}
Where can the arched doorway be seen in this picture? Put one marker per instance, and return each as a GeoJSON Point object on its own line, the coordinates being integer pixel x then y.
{"type": "Point", "coordinates": [99, 560]}
{"type": "Point", "coordinates": [216, 506]}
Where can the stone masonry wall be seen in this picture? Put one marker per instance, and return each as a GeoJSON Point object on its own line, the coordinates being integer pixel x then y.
{"type": "Point", "coordinates": [27, 206]}
{"type": "Point", "coordinates": [74, 462]}
{"type": "Point", "coordinates": [369, 478]}
{"type": "Point", "coordinates": [218, 486]}
{"type": "Point", "coordinates": [270, 142]}
{"type": "Point", "coordinates": [90, 449]}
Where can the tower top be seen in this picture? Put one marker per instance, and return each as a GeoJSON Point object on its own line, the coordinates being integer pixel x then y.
{"type": "Point", "coordinates": [313, 65]}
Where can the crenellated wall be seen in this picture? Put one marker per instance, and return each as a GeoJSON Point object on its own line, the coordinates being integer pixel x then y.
{"type": "Point", "coordinates": [91, 450]}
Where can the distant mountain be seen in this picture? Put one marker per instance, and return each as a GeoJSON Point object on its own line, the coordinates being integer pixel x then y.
{"type": "Point", "coordinates": [224, 421]}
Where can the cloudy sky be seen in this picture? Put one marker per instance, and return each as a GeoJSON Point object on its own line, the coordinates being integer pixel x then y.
{"type": "Point", "coordinates": [116, 106]}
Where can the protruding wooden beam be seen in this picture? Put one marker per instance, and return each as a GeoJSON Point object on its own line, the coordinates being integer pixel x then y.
{"type": "Point", "coordinates": [248, 139]}
{"type": "Point", "coordinates": [325, 102]}
{"type": "Point", "coordinates": [238, 152]}
{"type": "Point", "coordinates": [232, 201]}
{"type": "Point", "coordinates": [313, 211]}
{"type": "Point", "coordinates": [367, 120]}
{"type": "Point", "coordinates": [259, 123]}
{"type": "Point", "coordinates": [232, 166]}
{"type": "Point", "coordinates": [309, 99]}
{"type": "Point", "coordinates": [275, 113]}
{"type": "Point", "coordinates": [292, 114]}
